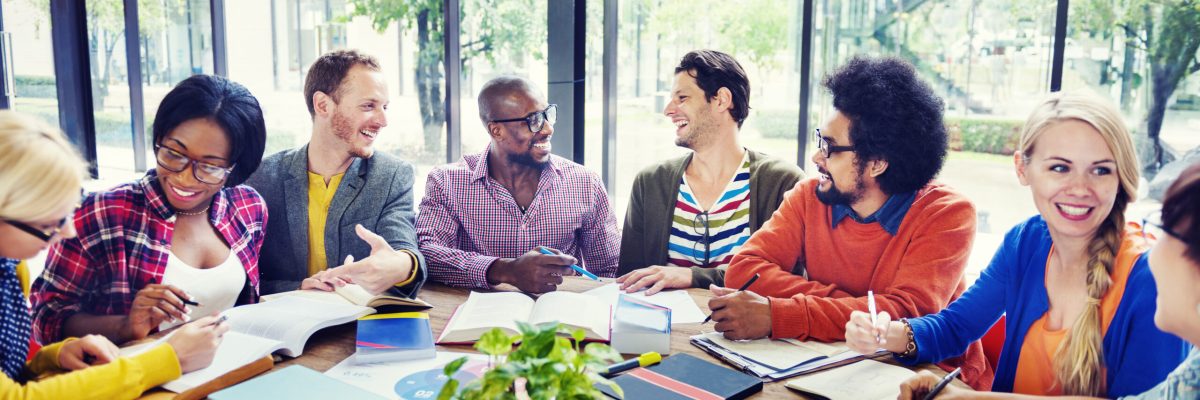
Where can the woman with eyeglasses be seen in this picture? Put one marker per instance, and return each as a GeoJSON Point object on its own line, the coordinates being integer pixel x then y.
{"type": "Point", "coordinates": [39, 190]}
{"type": "Point", "coordinates": [180, 243]}
{"type": "Point", "coordinates": [1072, 281]}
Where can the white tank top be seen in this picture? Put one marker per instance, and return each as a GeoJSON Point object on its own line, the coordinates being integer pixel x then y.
{"type": "Point", "coordinates": [216, 288]}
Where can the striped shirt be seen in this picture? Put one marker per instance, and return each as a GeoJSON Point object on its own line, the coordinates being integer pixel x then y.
{"type": "Point", "coordinates": [468, 220]}
{"type": "Point", "coordinates": [710, 238]}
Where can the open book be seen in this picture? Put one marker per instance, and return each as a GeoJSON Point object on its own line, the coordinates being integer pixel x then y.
{"type": "Point", "coordinates": [354, 294]}
{"type": "Point", "coordinates": [484, 311]}
{"type": "Point", "coordinates": [256, 330]}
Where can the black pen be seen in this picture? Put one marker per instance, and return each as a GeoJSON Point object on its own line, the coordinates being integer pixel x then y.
{"type": "Point", "coordinates": [742, 289]}
{"type": "Point", "coordinates": [942, 385]}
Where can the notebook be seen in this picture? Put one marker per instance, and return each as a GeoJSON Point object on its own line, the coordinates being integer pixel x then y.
{"type": "Point", "coordinates": [684, 376]}
{"type": "Point", "coordinates": [778, 359]}
{"type": "Point", "coordinates": [484, 311]}
{"type": "Point", "coordinates": [355, 294]}
{"type": "Point", "coordinates": [294, 382]}
{"type": "Point", "coordinates": [393, 337]}
{"type": "Point", "coordinates": [868, 380]}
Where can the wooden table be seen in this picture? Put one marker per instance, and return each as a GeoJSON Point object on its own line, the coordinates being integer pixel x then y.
{"type": "Point", "coordinates": [330, 346]}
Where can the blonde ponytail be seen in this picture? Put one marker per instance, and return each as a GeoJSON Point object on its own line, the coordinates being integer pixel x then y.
{"type": "Point", "coordinates": [1079, 361]}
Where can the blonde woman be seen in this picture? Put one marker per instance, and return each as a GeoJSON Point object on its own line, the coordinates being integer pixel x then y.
{"type": "Point", "coordinates": [39, 190]}
{"type": "Point", "coordinates": [1073, 281]}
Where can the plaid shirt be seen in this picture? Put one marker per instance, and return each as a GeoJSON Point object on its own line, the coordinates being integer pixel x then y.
{"type": "Point", "coordinates": [124, 236]}
{"type": "Point", "coordinates": [468, 220]}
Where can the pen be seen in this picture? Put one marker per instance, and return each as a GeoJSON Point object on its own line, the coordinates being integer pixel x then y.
{"type": "Point", "coordinates": [941, 385]}
{"type": "Point", "coordinates": [871, 309]}
{"type": "Point", "coordinates": [581, 271]}
{"type": "Point", "coordinates": [220, 320]}
{"type": "Point", "coordinates": [644, 360]}
{"type": "Point", "coordinates": [742, 289]}
{"type": "Point", "coordinates": [190, 302]}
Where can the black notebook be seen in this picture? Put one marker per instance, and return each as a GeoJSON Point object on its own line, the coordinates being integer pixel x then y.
{"type": "Point", "coordinates": [684, 376]}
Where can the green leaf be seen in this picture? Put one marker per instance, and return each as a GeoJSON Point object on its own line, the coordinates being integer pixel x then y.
{"type": "Point", "coordinates": [495, 342]}
{"type": "Point", "coordinates": [449, 389]}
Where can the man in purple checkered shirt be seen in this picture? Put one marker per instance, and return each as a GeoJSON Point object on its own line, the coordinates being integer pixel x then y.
{"type": "Point", "coordinates": [483, 218]}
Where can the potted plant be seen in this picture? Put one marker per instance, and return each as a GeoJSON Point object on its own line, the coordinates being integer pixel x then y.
{"type": "Point", "coordinates": [544, 366]}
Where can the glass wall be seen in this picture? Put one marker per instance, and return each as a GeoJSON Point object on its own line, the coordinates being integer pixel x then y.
{"type": "Point", "coordinates": [763, 35]}
{"type": "Point", "coordinates": [277, 40]}
{"type": "Point", "coordinates": [1131, 54]}
{"type": "Point", "coordinates": [27, 28]}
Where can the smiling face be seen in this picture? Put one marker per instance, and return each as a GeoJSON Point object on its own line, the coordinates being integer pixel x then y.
{"type": "Point", "coordinates": [513, 139]}
{"type": "Point", "coordinates": [358, 116]}
{"type": "Point", "coordinates": [691, 112]}
{"type": "Point", "coordinates": [1073, 178]}
{"type": "Point", "coordinates": [841, 181]}
{"type": "Point", "coordinates": [201, 140]}
{"type": "Point", "coordinates": [21, 245]}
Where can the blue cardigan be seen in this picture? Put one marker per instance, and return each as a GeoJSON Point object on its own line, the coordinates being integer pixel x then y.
{"type": "Point", "coordinates": [1136, 353]}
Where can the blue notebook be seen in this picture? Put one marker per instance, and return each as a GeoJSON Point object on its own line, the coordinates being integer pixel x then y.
{"type": "Point", "coordinates": [294, 382]}
{"type": "Point", "coordinates": [393, 337]}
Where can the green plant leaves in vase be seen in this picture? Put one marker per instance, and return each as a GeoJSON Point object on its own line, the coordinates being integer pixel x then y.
{"type": "Point", "coordinates": [548, 364]}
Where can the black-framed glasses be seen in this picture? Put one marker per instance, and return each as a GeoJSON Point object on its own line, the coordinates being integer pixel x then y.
{"type": "Point", "coordinates": [538, 119]}
{"type": "Point", "coordinates": [45, 234]}
{"type": "Point", "coordinates": [174, 161]}
{"type": "Point", "coordinates": [824, 146]}
{"type": "Point", "coordinates": [701, 219]}
{"type": "Point", "coordinates": [1152, 225]}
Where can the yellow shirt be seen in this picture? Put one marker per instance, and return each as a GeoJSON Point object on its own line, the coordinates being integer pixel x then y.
{"type": "Point", "coordinates": [320, 196]}
{"type": "Point", "coordinates": [125, 378]}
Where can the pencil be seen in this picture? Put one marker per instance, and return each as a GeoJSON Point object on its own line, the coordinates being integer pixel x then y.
{"type": "Point", "coordinates": [742, 289]}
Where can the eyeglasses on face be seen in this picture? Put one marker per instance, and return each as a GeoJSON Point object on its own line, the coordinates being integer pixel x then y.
{"type": "Point", "coordinates": [174, 161]}
{"type": "Point", "coordinates": [536, 120]}
{"type": "Point", "coordinates": [45, 234]}
{"type": "Point", "coordinates": [824, 146]}
{"type": "Point", "coordinates": [1152, 224]}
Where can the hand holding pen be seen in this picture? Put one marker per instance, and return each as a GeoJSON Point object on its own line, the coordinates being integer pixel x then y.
{"type": "Point", "coordinates": [927, 386]}
{"type": "Point", "coordinates": [867, 332]}
{"type": "Point", "coordinates": [740, 314]}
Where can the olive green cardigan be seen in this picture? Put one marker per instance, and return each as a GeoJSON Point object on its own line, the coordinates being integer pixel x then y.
{"type": "Point", "coordinates": [652, 203]}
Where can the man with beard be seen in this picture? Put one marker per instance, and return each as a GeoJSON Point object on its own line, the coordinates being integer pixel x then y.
{"type": "Point", "coordinates": [696, 211]}
{"type": "Point", "coordinates": [336, 200]}
{"type": "Point", "coordinates": [487, 219]}
{"type": "Point", "coordinates": [873, 220]}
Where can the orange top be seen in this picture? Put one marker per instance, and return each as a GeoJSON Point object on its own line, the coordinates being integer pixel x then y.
{"type": "Point", "coordinates": [815, 275]}
{"type": "Point", "coordinates": [1035, 365]}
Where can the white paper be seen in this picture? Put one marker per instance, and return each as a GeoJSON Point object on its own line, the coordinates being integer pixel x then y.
{"type": "Point", "coordinates": [410, 380]}
{"type": "Point", "coordinates": [142, 348]}
{"type": "Point", "coordinates": [683, 308]}
{"type": "Point", "coordinates": [236, 350]}
{"type": "Point", "coordinates": [776, 354]}
{"type": "Point", "coordinates": [872, 380]}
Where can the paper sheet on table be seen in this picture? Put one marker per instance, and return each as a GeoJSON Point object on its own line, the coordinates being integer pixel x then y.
{"type": "Point", "coordinates": [867, 379]}
{"type": "Point", "coordinates": [777, 354]}
{"type": "Point", "coordinates": [415, 379]}
{"type": "Point", "coordinates": [683, 309]}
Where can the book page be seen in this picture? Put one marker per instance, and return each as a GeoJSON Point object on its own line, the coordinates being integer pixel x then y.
{"type": "Point", "coordinates": [356, 294]}
{"type": "Point", "coordinates": [574, 309]}
{"type": "Point", "coordinates": [866, 379]}
{"type": "Point", "coordinates": [236, 350]}
{"type": "Point", "coordinates": [291, 319]}
{"type": "Point", "coordinates": [492, 310]}
{"type": "Point", "coordinates": [776, 354]}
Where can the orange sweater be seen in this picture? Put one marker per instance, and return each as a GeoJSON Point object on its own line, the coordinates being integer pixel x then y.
{"type": "Point", "coordinates": [916, 272]}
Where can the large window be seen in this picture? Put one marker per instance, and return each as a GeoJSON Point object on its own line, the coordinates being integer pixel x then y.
{"type": "Point", "coordinates": [27, 29]}
{"type": "Point", "coordinates": [277, 40]}
{"type": "Point", "coordinates": [1132, 52]}
{"type": "Point", "coordinates": [763, 35]}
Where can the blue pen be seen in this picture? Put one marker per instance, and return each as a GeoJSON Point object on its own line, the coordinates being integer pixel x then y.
{"type": "Point", "coordinates": [574, 267]}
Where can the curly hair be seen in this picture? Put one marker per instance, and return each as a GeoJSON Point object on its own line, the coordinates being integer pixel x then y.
{"type": "Point", "coordinates": [714, 70]}
{"type": "Point", "coordinates": [894, 116]}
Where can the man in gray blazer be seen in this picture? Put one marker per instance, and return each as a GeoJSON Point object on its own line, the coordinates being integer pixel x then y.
{"type": "Point", "coordinates": [335, 199]}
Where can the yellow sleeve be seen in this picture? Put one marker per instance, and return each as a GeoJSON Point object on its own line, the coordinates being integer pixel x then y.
{"type": "Point", "coordinates": [413, 275]}
{"type": "Point", "coordinates": [125, 378]}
